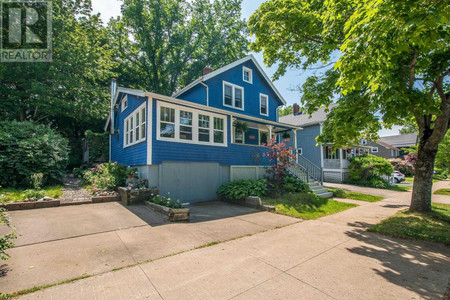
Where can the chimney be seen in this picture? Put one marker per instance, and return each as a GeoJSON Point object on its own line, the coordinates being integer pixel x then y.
{"type": "Point", "coordinates": [207, 70]}
{"type": "Point", "coordinates": [296, 108]}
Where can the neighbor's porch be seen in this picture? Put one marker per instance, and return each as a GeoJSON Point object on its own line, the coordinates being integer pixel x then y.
{"type": "Point", "coordinates": [338, 159]}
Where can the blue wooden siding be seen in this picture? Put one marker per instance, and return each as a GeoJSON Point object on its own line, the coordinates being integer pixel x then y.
{"type": "Point", "coordinates": [133, 155]}
{"type": "Point", "coordinates": [306, 139]}
{"type": "Point", "coordinates": [184, 152]}
{"type": "Point", "coordinates": [197, 94]}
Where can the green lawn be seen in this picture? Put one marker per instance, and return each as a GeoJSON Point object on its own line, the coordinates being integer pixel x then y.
{"type": "Point", "coordinates": [442, 192]}
{"type": "Point", "coordinates": [411, 180]}
{"type": "Point", "coordinates": [400, 188]}
{"type": "Point", "coordinates": [355, 196]}
{"type": "Point", "coordinates": [11, 194]}
{"type": "Point", "coordinates": [434, 226]}
{"type": "Point", "coordinates": [306, 206]}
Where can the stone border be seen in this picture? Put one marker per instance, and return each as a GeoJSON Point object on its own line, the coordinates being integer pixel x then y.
{"type": "Point", "coordinates": [20, 205]}
{"type": "Point", "coordinates": [173, 214]}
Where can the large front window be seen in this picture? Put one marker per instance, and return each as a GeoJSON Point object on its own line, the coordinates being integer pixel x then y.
{"type": "Point", "coordinates": [182, 124]}
{"type": "Point", "coordinates": [233, 96]}
{"type": "Point", "coordinates": [134, 127]}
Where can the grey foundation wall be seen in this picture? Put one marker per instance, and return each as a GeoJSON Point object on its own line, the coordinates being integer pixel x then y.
{"type": "Point", "coordinates": [193, 181]}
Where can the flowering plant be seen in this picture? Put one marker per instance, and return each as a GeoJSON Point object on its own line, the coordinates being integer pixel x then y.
{"type": "Point", "coordinates": [165, 201]}
{"type": "Point", "coordinates": [104, 177]}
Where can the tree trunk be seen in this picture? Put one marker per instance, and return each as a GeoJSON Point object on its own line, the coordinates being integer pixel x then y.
{"type": "Point", "coordinates": [423, 180]}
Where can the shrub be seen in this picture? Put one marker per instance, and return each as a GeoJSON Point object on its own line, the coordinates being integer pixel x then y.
{"type": "Point", "coordinates": [98, 145]}
{"type": "Point", "coordinates": [363, 168]}
{"type": "Point", "coordinates": [281, 157]}
{"type": "Point", "coordinates": [240, 189]}
{"type": "Point", "coordinates": [105, 177]}
{"type": "Point", "coordinates": [6, 239]}
{"type": "Point", "coordinates": [28, 148]}
{"type": "Point", "coordinates": [402, 166]}
{"type": "Point", "coordinates": [34, 194]}
{"type": "Point", "coordinates": [294, 185]}
{"type": "Point", "coordinates": [340, 193]}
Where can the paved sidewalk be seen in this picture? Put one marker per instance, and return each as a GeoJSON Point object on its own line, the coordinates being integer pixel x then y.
{"type": "Point", "coordinates": [330, 258]}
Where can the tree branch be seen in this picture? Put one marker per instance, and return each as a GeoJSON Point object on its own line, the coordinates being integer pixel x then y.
{"type": "Point", "coordinates": [412, 67]}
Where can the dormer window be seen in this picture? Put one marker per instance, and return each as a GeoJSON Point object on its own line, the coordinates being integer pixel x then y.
{"type": "Point", "coordinates": [233, 96]}
{"type": "Point", "coordinates": [124, 103]}
{"type": "Point", "coordinates": [263, 104]}
{"type": "Point", "coordinates": [363, 142]}
{"type": "Point", "coordinates": [247, 75]}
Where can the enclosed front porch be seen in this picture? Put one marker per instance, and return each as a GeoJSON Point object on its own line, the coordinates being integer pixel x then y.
{"type": "Point", "coordinates": [338, 159]}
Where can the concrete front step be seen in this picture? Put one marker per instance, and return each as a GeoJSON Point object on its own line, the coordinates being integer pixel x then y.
{"type": "Point", "coordinates": [319, 190]}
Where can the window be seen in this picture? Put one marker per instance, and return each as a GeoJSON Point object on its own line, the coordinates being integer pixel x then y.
{"type": "Point", "coordinates": [238, 137]}
{"type": "Point", "coordinates": [374, 150]}
{"type": "Point", "coordinates": [218, 130]}
{"type": "Point", "coordinates": [134, 127]}
{"type": "Point", "coordinates": [187, 125]}
{"type": "Point", "coordinates": [330, 154]}
{"type": "Point", "coordinates": [363, 142]}
{"type": "Point", "coordinates": [203, 128]}
{"type": "Point", "coordinates": [233, 96]}
{"type": "Point", "coordinates": [247, 75]}
{"type": "Point", "coordinates": [124, 103]}
{"type": "Point", "coordinates": [263, 104]}
{"type": "Point", "coordinates": [167, 122]}
{"type": "Point", "coordinates": [300, 151]}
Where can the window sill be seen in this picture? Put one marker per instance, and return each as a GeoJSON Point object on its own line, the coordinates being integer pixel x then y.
{"type": "Point", "coordinates": [135, 143]}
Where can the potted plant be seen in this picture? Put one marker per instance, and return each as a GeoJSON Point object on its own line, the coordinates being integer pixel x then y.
{"type": "Point", "coordinates": [240, 126]}
{"type": "Point", "coordinates": [130, 172]}
{"type": "Point", "coordinates": [286, 136]}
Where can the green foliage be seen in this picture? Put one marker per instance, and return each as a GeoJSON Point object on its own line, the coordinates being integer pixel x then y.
{"type": "Point", "coordinates": [105, 177]}
{"type": "Point", "coordinates": [240, 126]}
{"type": "Point", "coordinates": [442, 192]}
{"type": "Point", "coordinates": [37, 180]}
{"type": "Point", "coordinates": [164, 45]}
{"type": "Point", "coordinates": [78, 172]}
{"type": "Point", "coordinates": [285, 111]}
{"type": "Point", "coordinates": [433, 226]}
{"type": "Point", "coordinates": [6, 239]}
{"type": "Point", "coordinates": [165, 201]}
{"type": "Point", "coordinates": [442, 163]}
{"type": "Point", "coordinates": [11, 194]}
{"type": "Point", "coordinates": [340, 193]}
{"type": "Point", "coordinates": [131, 171]}
{"type": "Point", "coordinates": [239, 189]}
{"type": "Point", "coordinates": [366, 167]}
{"type": "Point", "coordinates": [306, 205]}
{"type": "Point", "coordinates": [27, 149]}
{"type": "Point", "coordinates": [98, 145]}
{"type": "Point", "coordinates": [294, 185]}
{"type": "Point", "coordinates": [281, 158]}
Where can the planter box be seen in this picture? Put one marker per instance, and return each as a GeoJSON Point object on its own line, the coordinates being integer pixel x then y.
{"type": "Point", "coordinates": [138, 196]}
{"type": "Point", "coordinates": [173, 214]}
{"type": "Point", "coordinates": [31, 205]}
{"type": "Point", "coordinates": [99, 199]}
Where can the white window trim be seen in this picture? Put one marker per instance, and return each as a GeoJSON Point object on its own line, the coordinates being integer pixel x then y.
{"type": "Point", "coordinates": [124, 100]}
{"type": "Point", "coordinates": [300, 151]}
{"type": "Point", "coordinates": [250, 76]}
{"type": "Point", "coordinates": [267, 104]}
{"type": "Point", "coordinates": [195, 127]}
{"type": "Point", "coordinates": [133, 126]}
{"type": "Point", "coordinates": [376, 151]}
{"type": "Point", "coordinates": [363, 142]}
{"type": "Point", "coordinates": [234, 86]}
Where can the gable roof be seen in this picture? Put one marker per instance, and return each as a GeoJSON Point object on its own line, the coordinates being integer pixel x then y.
{"type": "Point", "coordinates": [401, 140]}
{"type": "Point", "coordinates": [226, 68]}
{"type": "Point", "coordinates": [386, 145]}
{"type": "Point", "coordinates": [305, 119]}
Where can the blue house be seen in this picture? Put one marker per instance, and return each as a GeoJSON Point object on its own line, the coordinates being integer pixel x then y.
{"type": "Point", "coordinates": [311, 155]}
{"type": "Point", "coordinates": [187, 144]}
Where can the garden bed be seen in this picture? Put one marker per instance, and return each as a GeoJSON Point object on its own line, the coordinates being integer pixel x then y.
{"type": "Point", "coordinates": [136, 196]}
{"type": "Point", "coordinates": [41, 203]}
{"type": "Point", "coordinates": [172, 214]}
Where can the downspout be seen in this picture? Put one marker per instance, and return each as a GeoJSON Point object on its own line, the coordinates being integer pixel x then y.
{"type": "Point", "coordinates": [207, 92]}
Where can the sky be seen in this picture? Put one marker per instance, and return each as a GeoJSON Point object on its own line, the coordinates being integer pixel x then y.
{"type": "Point", "coordinates": [286, 84]}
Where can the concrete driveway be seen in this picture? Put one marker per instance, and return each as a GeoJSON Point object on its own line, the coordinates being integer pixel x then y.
{"type": "Point", "coordinates": [61, 243]}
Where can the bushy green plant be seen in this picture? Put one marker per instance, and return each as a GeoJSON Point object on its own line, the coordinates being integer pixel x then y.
{"type": "Point", "coordinates": [165, 201]}
{"type": "Point", "coordinates": [402, 166]}
{"type": "Point", "coordinates": [98, 145]}
{"type": "Point", "coordinates": [78, 172]}
{"type": "Point", "coordinates": [37, 179]}
{"type": "Point", "coordinates": [105, 177]}
{"type": "Point", "coordinates": [365, 167]}
{"type": "Point", "coordinates": [6, 239]}
{"type": "Point", "coordinates": [294, 185]}
{"type": "Point", "coordinates": [240, 189]}
{"type": "Point", "coordinates": [340, 193]}
{"type": "Point", "coordinates": [34, 194]}
{"type": "Point", "coordinates": [28, 148]}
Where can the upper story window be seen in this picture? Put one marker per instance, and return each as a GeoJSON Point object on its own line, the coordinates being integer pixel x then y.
{"type": "Point", "coordinates": [263, 104]}
{"type": "Point", "coordinates": [134, 127]}
{"type": "Point", "coordinates": [186, 125]}
{"type": "Point", "coordinates": [233, 96]}
{"type": "Point", "coordinates": [247, 75]}
{"type": "Point", "coordinates": [363, 142]}
{"type": "Point", "coordinates": [124, 103]}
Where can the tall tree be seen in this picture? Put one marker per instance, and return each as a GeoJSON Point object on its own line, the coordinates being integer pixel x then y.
{"type": "Point", "coordinates": [286, 110]}
{"type": "Point", "coordinates": [165, 44]}
{"type": "Point", "coordinates": [393, 65]}
{"type": "Point", "coordinates": [68, 93]}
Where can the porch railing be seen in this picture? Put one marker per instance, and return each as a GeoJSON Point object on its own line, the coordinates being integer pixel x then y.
{"type": "Point", "coordinates": [307, 170]}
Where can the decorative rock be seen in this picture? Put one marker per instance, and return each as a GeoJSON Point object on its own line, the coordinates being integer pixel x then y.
{"type": "Point", "coordinates": [47, 198]}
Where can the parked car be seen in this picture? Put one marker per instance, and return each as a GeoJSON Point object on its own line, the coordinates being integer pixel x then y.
{"type": "Point", "coordinates": [398, 177]}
